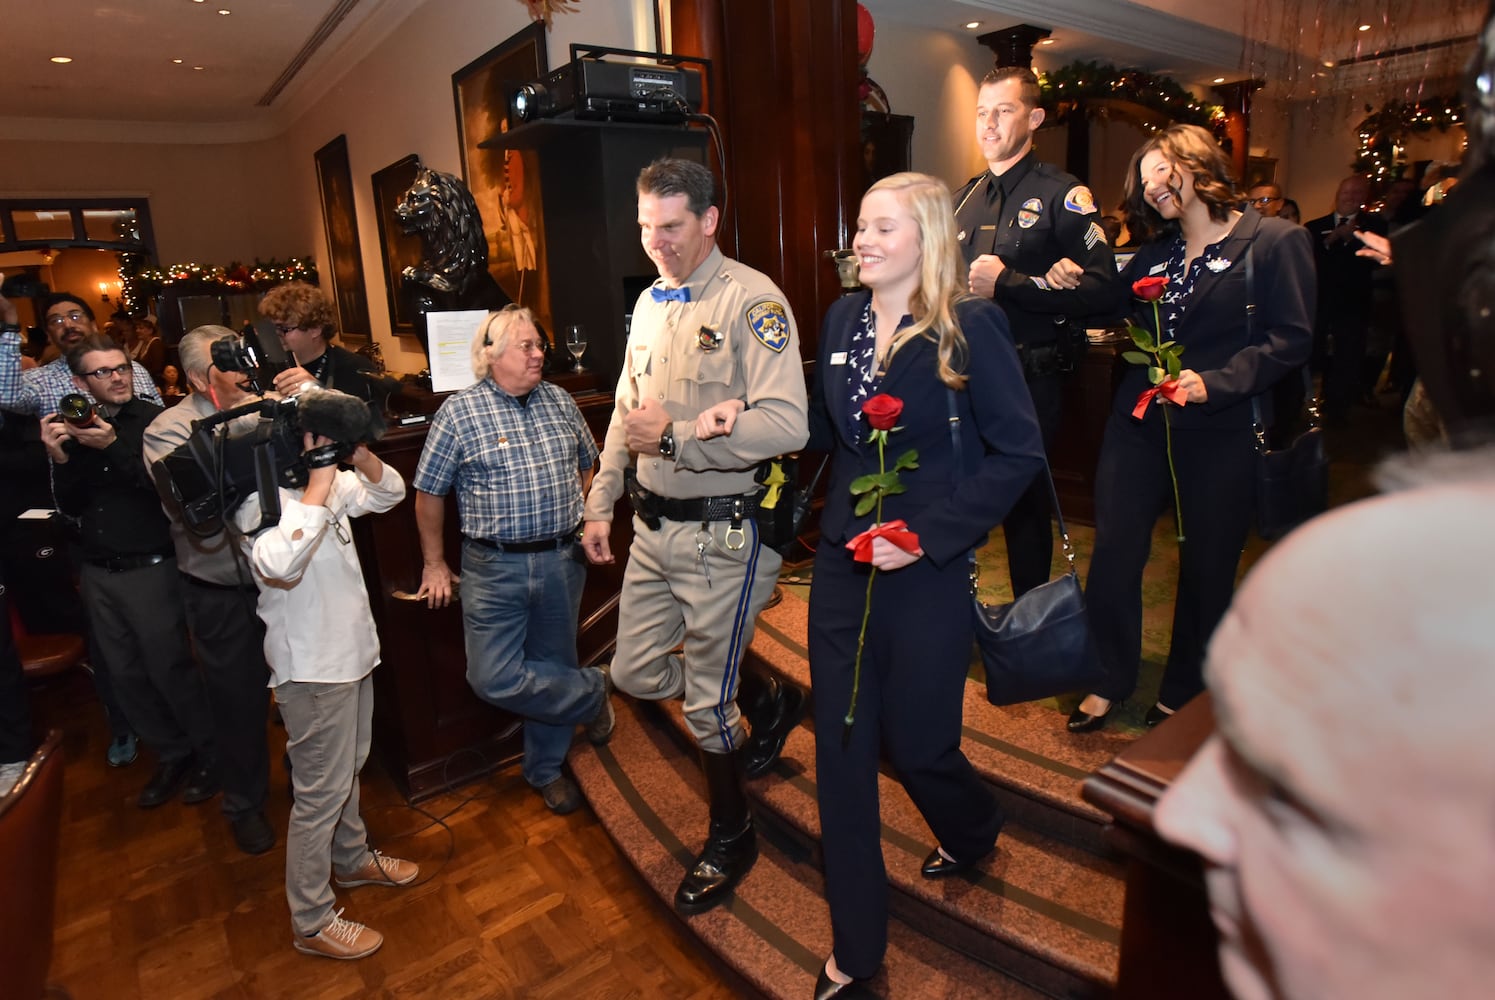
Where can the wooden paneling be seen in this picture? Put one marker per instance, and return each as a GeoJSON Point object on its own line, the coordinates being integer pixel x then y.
{"type": "Point", "coordinates": [783, 88]}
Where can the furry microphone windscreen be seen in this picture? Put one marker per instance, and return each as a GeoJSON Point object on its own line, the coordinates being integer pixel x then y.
{"type": "Point", "coordinates": [337, 416]}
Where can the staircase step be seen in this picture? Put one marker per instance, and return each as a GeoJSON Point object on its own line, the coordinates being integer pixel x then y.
{"type": "Point", "coordinates": [775, 931]}
{"type": "Point", "coordinates": [1043, 910]}
{"type": "Point", "coordinates": [1033, 763]}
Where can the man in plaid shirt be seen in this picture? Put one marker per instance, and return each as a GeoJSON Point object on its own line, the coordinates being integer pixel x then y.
{"type": "Point", "coordinates": [520, 454]}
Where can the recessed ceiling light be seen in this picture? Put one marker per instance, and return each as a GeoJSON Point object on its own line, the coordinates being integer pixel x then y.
{"type": "Point", "coordinates": [1046, 41]}
{"type": "Point", "coordinates": [62, 59]}
{"type": "Point", "coordinates": [1365, 27]}
{"type": "Point", "coordinates": [199, 1]}
{"type": "Point", "coordinates": [225, 11]}
{"type": "Point", "coordinates": [177, 61]}
{"type": "Point", "coordinates": [1219, 79]}
{"type": "Point", "coordinates": [973, 24]}
{"type": "Point", "coordinates": [197, 67]}
{"type": "Point", "coordinates": [1329, 64]}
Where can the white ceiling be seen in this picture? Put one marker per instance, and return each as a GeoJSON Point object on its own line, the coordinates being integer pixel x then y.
{"type": "Point", "coordinates": [123, 51]}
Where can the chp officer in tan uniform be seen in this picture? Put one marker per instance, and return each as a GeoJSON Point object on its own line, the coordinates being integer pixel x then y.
{"type": "Point", "coordinates": [712, 386]}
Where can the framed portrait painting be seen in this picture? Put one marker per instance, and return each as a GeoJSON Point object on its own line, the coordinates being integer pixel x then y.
{"type": "Point", "coordinates": [397, 248]}
{"type": "Point", "coordinates": [505, 182]}
{"type": "Point", "coordinates": [335, 182]}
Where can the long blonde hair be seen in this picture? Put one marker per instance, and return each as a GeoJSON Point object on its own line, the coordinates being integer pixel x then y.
{"type": "Point", "coordinates": [932, 304]}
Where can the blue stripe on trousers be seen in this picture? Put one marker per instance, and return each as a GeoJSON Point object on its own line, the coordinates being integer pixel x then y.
{"type": "Point", "coordinates": [734, 649]}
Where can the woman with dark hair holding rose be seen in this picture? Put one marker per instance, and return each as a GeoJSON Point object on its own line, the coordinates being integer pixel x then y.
{"type": "Point", "coordinates": [1189, 444]}
{"type": "Point", "coordinates": [890, 622]}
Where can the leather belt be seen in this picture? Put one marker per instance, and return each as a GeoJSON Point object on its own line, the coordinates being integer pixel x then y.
{"type": "Point", "coordinates": [544, 545]}
{"type": "Point", "coordinates": [123, 564]}
{"type": "Point", "coordinates": [736, 508]}
{"type": "Point", "coordinates": [197, 581]}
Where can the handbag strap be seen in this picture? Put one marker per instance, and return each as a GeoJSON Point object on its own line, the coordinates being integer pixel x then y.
{"type": "Point", "coordinates": [1048, 475]}
{"type": "Point", "coordinates": [1258, 426]}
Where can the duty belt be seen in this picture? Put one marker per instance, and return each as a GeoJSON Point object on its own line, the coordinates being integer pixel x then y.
{"type": "Point", "coordinates": [123, 564]}
{"type": "Point", "coordinates": [651, 507]}
{"type": "Point", "coordinates": [1041, 359]}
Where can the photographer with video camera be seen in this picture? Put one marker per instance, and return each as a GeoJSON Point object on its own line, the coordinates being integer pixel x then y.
{"type": "Point", "coordinates": [128, 579]}
{"type": "Point", "coordinates": [304, 320]}
{"type": "Point", "coordinates": [219, 594]}
{"type": "Point", "coordinates": [322, 648]}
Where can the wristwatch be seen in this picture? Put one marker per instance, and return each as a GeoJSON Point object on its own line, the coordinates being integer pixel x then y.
{"type": "Point", "coordinates": [667, 443]}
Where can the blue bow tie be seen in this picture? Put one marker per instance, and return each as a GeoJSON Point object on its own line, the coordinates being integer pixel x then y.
{"type": "Point", "coordinates": [681, 294]}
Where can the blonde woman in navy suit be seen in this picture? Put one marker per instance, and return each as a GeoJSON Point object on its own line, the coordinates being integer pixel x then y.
{"type": "Point", "coordinates": [916, 335]}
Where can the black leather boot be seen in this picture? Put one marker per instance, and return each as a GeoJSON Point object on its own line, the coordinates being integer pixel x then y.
{"type": "Point", "coordinates": [731, 846]}
{"type": "Point", "coordinates": [773, 709]}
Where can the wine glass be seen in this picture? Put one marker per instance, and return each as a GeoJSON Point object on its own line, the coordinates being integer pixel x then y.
{"type": "Point", "coordinates": [576, 343]}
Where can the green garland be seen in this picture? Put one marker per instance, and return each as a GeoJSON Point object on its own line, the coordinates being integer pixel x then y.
{"type": "Point", "coordinates": [1065, 88]}
{"type": "Point", "coordinates": [145, 283]}
{"type": "Point", "coordinates": [1383, 132]}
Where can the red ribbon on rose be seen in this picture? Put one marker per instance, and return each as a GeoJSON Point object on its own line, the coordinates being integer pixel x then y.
{"type": "Point", "coordinates": [894, 531]}
{"type": "Point", "coordinates": [1169, 390]}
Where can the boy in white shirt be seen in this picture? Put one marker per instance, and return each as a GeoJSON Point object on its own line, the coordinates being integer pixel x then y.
{"type": "Point", "coordinates": [322, 648]}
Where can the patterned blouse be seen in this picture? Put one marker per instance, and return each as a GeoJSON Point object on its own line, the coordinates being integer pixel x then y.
{"type": "Point", "coordinates": [862, 356]}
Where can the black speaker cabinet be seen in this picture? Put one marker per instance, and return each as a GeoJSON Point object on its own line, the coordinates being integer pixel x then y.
{"type": "Point", "coordinates": [597, 267]}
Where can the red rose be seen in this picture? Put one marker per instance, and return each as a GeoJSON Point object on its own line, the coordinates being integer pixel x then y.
{"type": "Point", "coordinates": [1149, 289]}
{"type": "Point", "coordinates": [882, 411]}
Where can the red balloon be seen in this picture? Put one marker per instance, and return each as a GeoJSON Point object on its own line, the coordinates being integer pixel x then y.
{"type": "Point", "coordinates": [865, 32]}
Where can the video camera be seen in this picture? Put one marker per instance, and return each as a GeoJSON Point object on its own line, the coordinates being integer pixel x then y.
{"type": "Point", "coordinates": [221, 464]}
{"type": "Point", "coordinates": [244, 356]}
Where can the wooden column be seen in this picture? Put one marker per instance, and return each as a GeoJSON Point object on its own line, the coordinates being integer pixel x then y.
{"type": "Point", "coordinates": [783, 88]}
{"type": "Point", "coordinates": [1014, 46]}
{"type": "Point", "coordinates": [1236, 97]}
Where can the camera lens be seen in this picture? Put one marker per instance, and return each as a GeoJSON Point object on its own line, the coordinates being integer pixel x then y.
{"type": "Point", "coordinates": [75, 409]}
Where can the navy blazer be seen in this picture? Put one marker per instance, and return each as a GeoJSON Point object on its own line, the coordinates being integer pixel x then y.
{"type": "Point", "coordinates": [1002, 449]}
{"type": "Point", "coordinates": [1212, 329]}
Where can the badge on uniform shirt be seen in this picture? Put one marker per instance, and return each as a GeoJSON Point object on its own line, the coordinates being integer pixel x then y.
{"type": "Point", "coordinates": [770, 324]}
{"type": "Point", "coordinates": [1027, 216]}
{"type": "Point", "coordinates": [1080, 201]}
{"type": "Point", "coordinates": [709, 337]}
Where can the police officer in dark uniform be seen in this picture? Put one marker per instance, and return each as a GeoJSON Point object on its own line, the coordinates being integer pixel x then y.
{"type": "Point", "coordinates": [1014, 220]}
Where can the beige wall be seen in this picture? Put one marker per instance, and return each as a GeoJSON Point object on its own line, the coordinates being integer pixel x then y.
{"type": "Point", "coordinates": [213, 203]}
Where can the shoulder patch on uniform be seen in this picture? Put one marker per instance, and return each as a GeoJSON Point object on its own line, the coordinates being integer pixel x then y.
{"type": "Point", "coordinates": [770, 324]}
{"type": "Point", "coordinates": [1094, 236]}
{"type": "Point", "coordinates": [1080, 201]}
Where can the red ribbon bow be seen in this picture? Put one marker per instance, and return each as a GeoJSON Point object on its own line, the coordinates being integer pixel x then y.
{"type": "Point", "coordinates": [894, 531]}
{"type": "Point", "coordinates": [1170, 391]}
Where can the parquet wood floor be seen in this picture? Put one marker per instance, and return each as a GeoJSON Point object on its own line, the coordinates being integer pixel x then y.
{"type": "Point", "coordinates": [512, 902]}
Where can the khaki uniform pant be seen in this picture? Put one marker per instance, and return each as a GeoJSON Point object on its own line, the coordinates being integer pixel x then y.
{"type": "Point", "coordinates": [685, 584]}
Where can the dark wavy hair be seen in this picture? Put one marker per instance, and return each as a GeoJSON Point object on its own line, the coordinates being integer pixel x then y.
{"type": "Point", "coordinates": [1187, 147]}
{"type": "Point", "coordinates": [667, 177]}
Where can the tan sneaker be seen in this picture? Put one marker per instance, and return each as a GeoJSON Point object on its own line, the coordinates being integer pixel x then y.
{"type": "Point", "coordinates": [380, 870]}
{"type": "Point", "coordinates": [340, 939]}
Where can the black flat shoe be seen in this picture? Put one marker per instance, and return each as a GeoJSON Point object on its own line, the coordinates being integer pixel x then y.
{"type": "Point", "coordinates": [939, 866]}
{"type": "Point", "coordinates": [1155, 715]}
{"type": "Point", "coordinates": [1084, 722]}
{"type": "Point", "coordinates": [857, 989]}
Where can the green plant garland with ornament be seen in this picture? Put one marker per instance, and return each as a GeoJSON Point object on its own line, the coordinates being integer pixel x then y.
{"type": "Point", "coordinates": [140, 283]}
{"type": "Point", "coordinates": [1385, 129]}
{"type": "Point", "coordinates": [1064, 88]}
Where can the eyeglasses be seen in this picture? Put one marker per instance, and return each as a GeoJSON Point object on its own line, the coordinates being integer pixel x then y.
{"type": "Point", "coordinates": [285, 328]}
{"type": "Point", "coordinates": [528, 346]}
{"type": "Point", "coordinates": [107, 372]}
{"type": "Point", "coordinates": [61, 319]}
{"type": "Point", "coordinates": [1265, 200]}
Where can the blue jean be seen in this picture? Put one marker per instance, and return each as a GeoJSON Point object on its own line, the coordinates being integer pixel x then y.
{"type": "Point", "coordinates": [519, 613]}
